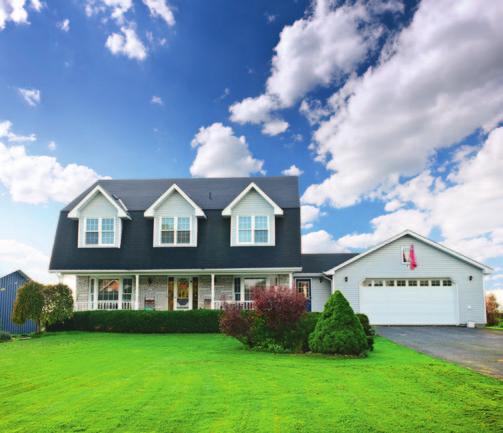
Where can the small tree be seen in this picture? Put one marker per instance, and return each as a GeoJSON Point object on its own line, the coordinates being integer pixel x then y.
{"type": "Point", "coordinates": [492, 312]}
{"type": "Point", "coordinates": [29, 304]}
{"type": "Point", "coordinates": [58, 304]}
{"type": "Point", "coordinates": [338, 331]}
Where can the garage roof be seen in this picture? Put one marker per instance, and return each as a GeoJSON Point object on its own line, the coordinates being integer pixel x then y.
{"type": "Point", "coordinates": [319, 263]}
{"type": "Point", "coordinates": [484, 268]}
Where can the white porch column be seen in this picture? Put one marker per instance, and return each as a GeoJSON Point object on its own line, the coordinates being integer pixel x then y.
{"type": "Point", "coordinates": [137, 292]}
{"type": "Point", "coordinates": [96, 291]}
{"type": "Point", "coordinates": [290, 280]}
{"type": "Point", "coordinates": [212, 291]}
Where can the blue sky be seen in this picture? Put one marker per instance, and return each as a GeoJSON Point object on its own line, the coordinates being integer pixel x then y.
{"type": "Point", "coordinates": [373, 103]}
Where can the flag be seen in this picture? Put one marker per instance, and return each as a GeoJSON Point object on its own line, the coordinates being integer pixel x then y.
{"type": "Point", "coordinates": [412, 258]}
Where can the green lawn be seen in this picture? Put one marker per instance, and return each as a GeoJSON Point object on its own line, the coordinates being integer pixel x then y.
{"type": "Point", "coordinates": [209, 383]}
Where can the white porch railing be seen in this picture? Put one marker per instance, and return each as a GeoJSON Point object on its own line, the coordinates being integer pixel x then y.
{"type": "Point", "coordinates": [243, 305]}
{"type": "Point", "coordinates": [103, 305]}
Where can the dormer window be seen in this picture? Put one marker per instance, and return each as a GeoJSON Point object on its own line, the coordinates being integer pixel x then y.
{"type": "Point", "coordinates": [253, 229]}
{"type": "Point", "coordinates": [175, 230]}
{"type": "Point", "coordinates": [99, 231]}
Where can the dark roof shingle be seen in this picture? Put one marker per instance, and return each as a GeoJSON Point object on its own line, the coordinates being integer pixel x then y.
{"type": "Point", "coordinates": [318, 263]}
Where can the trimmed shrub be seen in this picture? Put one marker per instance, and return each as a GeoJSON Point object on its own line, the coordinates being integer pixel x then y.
{"type": "Point", "coordinates": [148, 322]}
{"type": "Point", "coordinates": [338, 330]}
{"type": "Point", "coordinates": [369, 331]}
{"type": "Point", "coordinates": [5, 336]}
{"type": "Point", "coordinates": [492, 313]}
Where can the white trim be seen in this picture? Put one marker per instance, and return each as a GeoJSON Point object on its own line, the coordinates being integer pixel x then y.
{"type": "Point", "coordinates": [158, 232]}
{"type": "Point", "coordinates": [484, 268]}
{"type": "Point", "coordinates": [228, 210]}
{"type": "Point", "coordinates": [252, 243]}
{"type": "Point", "coordinates": [82, 240]}
{"type": "Point", "coordinates": [75, 212]}
{"type": "Point", "coordinates": [150, 212]}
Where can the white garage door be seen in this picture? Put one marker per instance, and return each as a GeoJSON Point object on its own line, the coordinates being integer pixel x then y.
{"type": "Point", "coordinates": [409, 305]}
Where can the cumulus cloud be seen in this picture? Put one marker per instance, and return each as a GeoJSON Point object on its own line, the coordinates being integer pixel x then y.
{"type": "Point", "coordinates": [221, 153]}
{"type": "Point", "coordinates": [308, 215]}
{"type": "Point", "coordinates": [320, 242]}
{"type": "Point", "coordinates": [274, 127]}
{"type": "Point", "coordinates": [293, 170]}
{"type": "Point", "coordinates": [52, 146]}
{"type": "Point", "coordinates": [466, 208]}
{"type": "Point", "coordinates": [5, 132]}
{"type": "Point", "coordinates": [159, 8]}
{"type": "Point", "coordinates": [31, 96]}
{"type": "Point", "coordinates": [64, 25]}
{"type": "Point", "coordinates": [16, 255]}
{"type": "Point", "coordinates": [16, 11]}
{"type": "Point", "coordinates": [316, 50]}
{"type": "Point", "coordinates": [157, 100]}
{"type": "Point", "coordinates": [116, 8]}
{"type": "Point", "coordinates": [127, 43]}
{"type": "Point", "coordinates": [39, 179]}
{"type": "Point", "coordinates": [432, 87]}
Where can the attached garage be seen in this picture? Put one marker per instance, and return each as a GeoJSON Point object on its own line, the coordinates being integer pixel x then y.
{"type": "Point", "coordinates": [411, 280]}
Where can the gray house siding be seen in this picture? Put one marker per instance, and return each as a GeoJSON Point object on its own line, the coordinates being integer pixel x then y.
{"type": "Point", "coordinates": [432, 263]}
{"type": "Point", "coordinates": [320, 289]}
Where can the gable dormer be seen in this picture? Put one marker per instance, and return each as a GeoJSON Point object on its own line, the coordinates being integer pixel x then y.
{"type": "Point", "coordinates": [100, 219]}
{"type": "Point", "coordinates": [253, 218]}
{"type": "Point", "coordinates": [175, 217]}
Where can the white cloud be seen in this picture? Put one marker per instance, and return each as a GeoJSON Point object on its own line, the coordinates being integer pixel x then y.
{"type": "Point", "coordinates": [159, 8]}
{"type": "Point", "coordinates": [52, 146]}
{"type": "Point", "coordinates": [320, 242]}
{"type": "Point", "coordinates": [432, 87]}
{"type": "Point", "coordinates": [15, 11]}
{"type": "Point", "coordinates": [308, 215]}
{"type": "Point", "coordinates": [274, 127]}
{"type": "Point", "coordinates": [222, 154]}
{"type": "Point", "coordinates": [324, 46]}
{"type": "Point", "coordinates": [31, 96]}
{"type": "Point", "coordinates": [293, 170]}
{"type": "Point", "coordinates": [117, 8]}
{"type": "Point", "coordinates": [466, 211]}
{"type": "Point", "coordinates": [16, 255]}
{"type": "Point", "coordinates": [127, 43]}
{"type": "Point", "coordinates": [157, 100]}
{"type": "Point", "coordinates": [64, 25]}
{"type": "Point", "coordinates": [5, 132]}
{"type": "Point", "coordinates": [39, 179]}
{"type": "Point", "coordinates": [37, 5]}
{"type": "Point", "coordinates": [270, 18]}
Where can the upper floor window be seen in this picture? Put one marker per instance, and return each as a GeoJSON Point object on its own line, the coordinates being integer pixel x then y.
{"type": "Point", "coordinates": [253, 229]}
{"type": "Point", "coordinates": [100, 231]}
{"type": "Point", "coordinates": [175, 230]}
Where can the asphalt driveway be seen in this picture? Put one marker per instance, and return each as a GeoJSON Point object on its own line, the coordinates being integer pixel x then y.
{"type": "Point", "coordinates": [478, 349]}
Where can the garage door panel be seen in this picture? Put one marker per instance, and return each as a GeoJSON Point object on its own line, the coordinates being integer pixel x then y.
{"type": "Point", "coordinates": [409, 305]}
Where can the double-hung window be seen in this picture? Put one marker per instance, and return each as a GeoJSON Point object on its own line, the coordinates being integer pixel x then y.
{"type": "Point", "coordinates": [99, 231]}
{"type": "Point", "coordinates": [175, 231]}
{"type": "Point", "coordinates": [253, 229]}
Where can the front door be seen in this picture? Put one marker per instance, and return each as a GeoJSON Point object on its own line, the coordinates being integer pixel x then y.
{"type": "Point", "coordinates": [183, 294]}
{"type": "Point", "coordinates": [304, 286]}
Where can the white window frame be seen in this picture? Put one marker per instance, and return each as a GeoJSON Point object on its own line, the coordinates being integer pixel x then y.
{"type": "Point", "coordinates": [175, 231]}
{"type": "Point", "coordinates": [252, 242]}
{"type": "Point", "coordinates": [100, 243]}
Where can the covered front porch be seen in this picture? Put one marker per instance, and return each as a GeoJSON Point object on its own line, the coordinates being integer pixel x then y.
{"type": "Point", "coordinates": [172, 291]}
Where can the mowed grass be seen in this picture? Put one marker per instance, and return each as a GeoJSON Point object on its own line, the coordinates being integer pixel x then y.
{"type": "Point", "coordinates": [87, 382]}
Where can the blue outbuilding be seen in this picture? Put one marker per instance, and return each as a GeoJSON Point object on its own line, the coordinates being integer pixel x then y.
{"type": "Point", "coordinates": [8, 291]}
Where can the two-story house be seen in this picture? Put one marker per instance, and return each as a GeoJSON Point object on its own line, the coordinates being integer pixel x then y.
{"type": "Point", "coordinates": [182, 244]}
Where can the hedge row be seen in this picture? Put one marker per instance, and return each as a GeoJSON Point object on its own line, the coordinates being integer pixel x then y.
{"type": "Point", "coordinates": [148, 322]}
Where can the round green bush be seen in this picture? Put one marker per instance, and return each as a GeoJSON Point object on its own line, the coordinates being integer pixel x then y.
{"type": "Point", "coordinates": [5, 336]}
{"type": "Point", "coordinates": [338, 331]}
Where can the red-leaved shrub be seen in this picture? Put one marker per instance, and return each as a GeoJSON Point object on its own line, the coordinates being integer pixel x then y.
{"type": "Point", "coordinates": [237, 323]}
{"type": "Point", "coordinates": [280, 307]}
